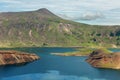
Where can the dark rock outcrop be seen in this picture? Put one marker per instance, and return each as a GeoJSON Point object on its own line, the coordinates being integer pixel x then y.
{"type": "Point", "coordinates": [15, 57]}
{"type": "Point", "coordinates": [100, 59]}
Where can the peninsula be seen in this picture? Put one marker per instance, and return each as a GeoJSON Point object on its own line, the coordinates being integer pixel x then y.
{"type": "Point", "coordinates": [16, 57]}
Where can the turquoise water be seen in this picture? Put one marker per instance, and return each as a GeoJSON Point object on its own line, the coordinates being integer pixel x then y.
{"type": "Point", "coordinates": [51, 67]}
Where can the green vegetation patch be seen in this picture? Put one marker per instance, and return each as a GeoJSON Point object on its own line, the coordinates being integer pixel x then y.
{"type": "Point", "coordinates": [82, 52]}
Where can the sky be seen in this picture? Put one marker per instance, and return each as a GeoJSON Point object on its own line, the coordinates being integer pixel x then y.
{"type": "Point", "coordinates": [96, 12]}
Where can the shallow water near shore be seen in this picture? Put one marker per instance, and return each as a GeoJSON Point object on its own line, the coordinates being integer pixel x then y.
{"type": "Point", "coordinates": [51, 67]}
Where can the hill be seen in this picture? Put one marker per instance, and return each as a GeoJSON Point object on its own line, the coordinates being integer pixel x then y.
{"type": "Point", "coordinates": [43, 28]}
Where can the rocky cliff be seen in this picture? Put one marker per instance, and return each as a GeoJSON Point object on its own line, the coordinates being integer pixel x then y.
{"type": "Point", "coordinates": [100, 59]}
{"type": "Point", "coordinates": [15, 57]}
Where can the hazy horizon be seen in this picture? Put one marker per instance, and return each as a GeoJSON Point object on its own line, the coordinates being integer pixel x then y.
{"type": "Point", "coordinates": [95, 12]}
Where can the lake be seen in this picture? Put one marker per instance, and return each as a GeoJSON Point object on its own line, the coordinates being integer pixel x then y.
{"type": "Point", "coordinates": [51, 67]}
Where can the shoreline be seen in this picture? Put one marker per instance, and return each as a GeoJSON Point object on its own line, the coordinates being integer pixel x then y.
{"type": "Point", "coordinates": [67, 55]}
{"type": "Point", "coordinates": [60, 47]}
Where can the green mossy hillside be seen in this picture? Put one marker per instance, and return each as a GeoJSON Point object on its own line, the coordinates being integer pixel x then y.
{"type": "Point", "coordinates": [43, 28]}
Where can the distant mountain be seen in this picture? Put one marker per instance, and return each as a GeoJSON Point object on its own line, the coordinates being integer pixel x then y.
{"type": "Point", "coordinates": [43, 28]}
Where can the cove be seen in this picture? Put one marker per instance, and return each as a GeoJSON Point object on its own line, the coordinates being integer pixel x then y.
{"type": "Point", "coordinates": [51, 67]}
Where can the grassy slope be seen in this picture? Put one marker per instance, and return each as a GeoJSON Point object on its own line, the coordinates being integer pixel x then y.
{"type": "Point", "coordinates": [81, 52]}
{"type": "Point", "coordinates": [43, 28]}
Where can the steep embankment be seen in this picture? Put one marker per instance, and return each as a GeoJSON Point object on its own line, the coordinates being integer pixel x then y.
{"type": "Point", "coordinates": [100, 59]}
{"type": "Point", "coordinates": [43, 28]}
{"type": "Point", "coordinates": [15, 57]}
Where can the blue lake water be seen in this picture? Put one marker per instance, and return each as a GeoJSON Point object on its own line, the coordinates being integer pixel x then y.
{"type": "Point", "coordinates": [51, 67]}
